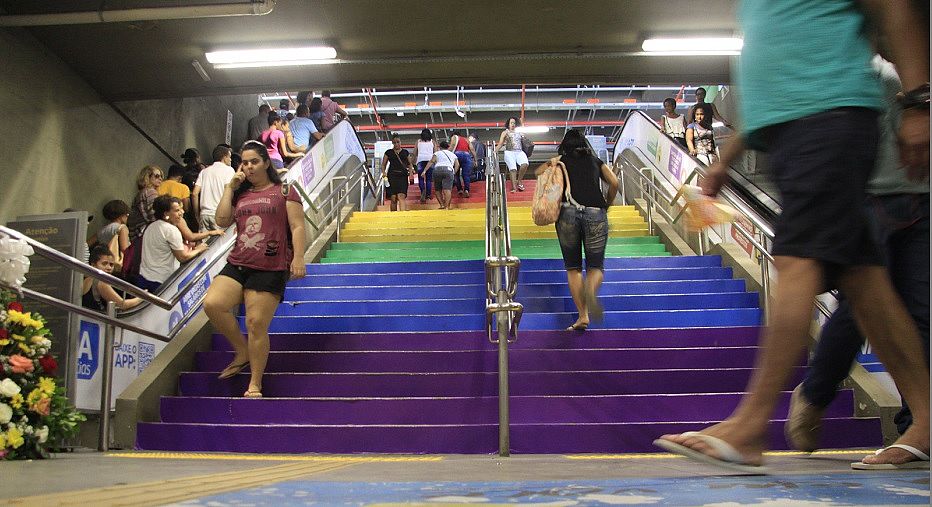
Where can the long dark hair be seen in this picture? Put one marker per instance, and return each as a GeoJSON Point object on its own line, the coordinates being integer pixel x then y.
{"type": "Point", "coordinates": [516, 119]}
{"type": "Point", "coordinates": [263, 152]}
{"type": "Point", "coordinates": [574, 144]}
{"type": "Point", "coordinates": [316, 105]}
{"type": "Point", "coordinates": [426, 135]}
{"type": "Point", "coordinates": [706, 116]}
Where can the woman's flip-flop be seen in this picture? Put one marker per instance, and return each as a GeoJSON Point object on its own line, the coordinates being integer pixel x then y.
{"type": "Point", "coordinates": [920, 463]}
{"type": "Point", "coordinates": [252, 393]}
{"type": "Point", "coordinates": [232, 369]}
{"type": "Point", "coordinates": [578, 327]}
{"type": "Point", "coordinates": [730, 458]}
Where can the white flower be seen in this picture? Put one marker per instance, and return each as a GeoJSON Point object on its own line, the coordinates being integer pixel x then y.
{"type": "Point", "coordinates": [28, 430]}
{"type": "Point", "coordinates": [9, 388]}
{"type": "Point", "coordinates": [42, 434]}
{"type": "Point", "coordinates": [6, 413]}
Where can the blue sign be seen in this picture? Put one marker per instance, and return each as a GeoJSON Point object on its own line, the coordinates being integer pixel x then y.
{"type": "Point", "coordinates": [88, 347]}
{"type": "Point", "coordinates": [197, 291]}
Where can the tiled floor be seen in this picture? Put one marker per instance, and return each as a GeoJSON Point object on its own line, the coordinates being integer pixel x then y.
{"type": "Point", "coordinates": [216, 479]}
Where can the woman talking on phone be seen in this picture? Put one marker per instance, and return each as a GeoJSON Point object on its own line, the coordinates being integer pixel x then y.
{"type": "Point", "coordinates": [268, 252]}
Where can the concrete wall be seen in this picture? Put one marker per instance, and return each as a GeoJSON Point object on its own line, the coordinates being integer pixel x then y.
{"type": "Point", "coordinates": [64, 146]}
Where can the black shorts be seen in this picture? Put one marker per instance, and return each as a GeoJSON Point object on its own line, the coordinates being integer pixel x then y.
{"type": "Point", "coordinates": [254, 279]}
{"type": "Point", "coordinates": [821, 165]}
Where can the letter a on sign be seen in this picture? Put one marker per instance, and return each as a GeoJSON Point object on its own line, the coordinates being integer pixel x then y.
{"type": "Point", "coordinates": [88, 346]}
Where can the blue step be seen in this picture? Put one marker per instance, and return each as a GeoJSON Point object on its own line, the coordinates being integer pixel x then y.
{"type": "Point", "coordinates": [530, 290]}
{"type": "Point", "coordinates": [531, 305]}
{"type": "Point", "coordinates": [524, 276]}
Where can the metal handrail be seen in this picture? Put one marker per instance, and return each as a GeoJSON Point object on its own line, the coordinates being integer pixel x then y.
{"type": "Point", "coordinates": [726, 195]}
{"type": "Point", "coordinates": [501, 272]}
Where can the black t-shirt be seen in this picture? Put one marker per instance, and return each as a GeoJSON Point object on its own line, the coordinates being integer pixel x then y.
{"type": "Point", "coordinates": [585, 174]}
{"type": "Point", "coordinates": [396, 162]}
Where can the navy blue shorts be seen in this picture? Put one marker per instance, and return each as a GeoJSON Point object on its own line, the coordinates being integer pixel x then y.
{"type": "Point", "coordinates": [821, 165]}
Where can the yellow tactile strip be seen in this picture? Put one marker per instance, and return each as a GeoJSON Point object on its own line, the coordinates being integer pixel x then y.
{"type": "Point", "coordinates": [274, 457]}
{"type": "Point", "coordinates": [178, 490]}
{"type": "Point", "coordinates": [671, 456]}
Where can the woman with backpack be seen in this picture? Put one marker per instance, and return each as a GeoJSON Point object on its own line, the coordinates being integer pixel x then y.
{"type": "Point", "coordinates": [583, 222]}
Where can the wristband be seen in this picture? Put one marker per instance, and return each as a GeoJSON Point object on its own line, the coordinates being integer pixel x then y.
{"type": "Point", "coordinates": [917, 98]}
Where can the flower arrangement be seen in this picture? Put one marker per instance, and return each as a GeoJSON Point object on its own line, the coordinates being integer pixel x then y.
{"type": "Point", "coordinates": [34, 412]}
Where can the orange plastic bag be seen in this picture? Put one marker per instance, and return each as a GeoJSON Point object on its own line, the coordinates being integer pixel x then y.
{"type": "Point", "coordinates": [703, 211]}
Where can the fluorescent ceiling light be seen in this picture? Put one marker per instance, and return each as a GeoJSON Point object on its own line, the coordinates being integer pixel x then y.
{"type": "Point", "coordinates": [533, 130]}
{"type": "Point", "coordinates": [694, 46]}
{"type": "Point", "coordinates": [273, 57]}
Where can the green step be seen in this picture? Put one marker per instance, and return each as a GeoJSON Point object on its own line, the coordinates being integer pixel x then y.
{"type": "Point", "coordinates": [551, 251]}
{"type": "Point", "coordinates": [543, 242]}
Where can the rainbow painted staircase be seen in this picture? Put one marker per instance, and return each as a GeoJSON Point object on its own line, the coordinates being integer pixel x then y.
{"type": "Point", "coordinates": [382, 348]}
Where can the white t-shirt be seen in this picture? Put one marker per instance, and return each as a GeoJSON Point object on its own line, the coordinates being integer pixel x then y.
{"type": "Point", "coordinates": [158, 261]}
{"type": "Point", "coordinates": [425, 150]}
{"type": "Point", "coordinates": [445, 158]}
{"type": "Point", "coordinates": [211, 181]}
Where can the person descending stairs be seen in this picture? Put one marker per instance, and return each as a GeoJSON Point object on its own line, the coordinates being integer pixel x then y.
{"type": "Point", "coordinates": [383, 348]}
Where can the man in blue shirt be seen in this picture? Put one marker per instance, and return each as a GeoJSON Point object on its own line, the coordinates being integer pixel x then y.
{"type": "Point", "coordinates": [303, 129]}
{"type": "Point", "coordinates": [809, 97]}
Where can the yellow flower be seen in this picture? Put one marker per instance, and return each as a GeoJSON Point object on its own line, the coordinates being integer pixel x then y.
{"type": "Point", "coordinates": [16, 401]}
{"type": "Point", "coordinates": [34, 396]}
{"type": "Point", "coordinates": [15, 317]}
{"type": "Point", "coordinates": [47, 385]}
{"type": "Point", "coordinates": [18, 338]}
{"type": "Point", "coordinates": [2, 441]}
{"type": "Point", "coordinates": [14, 437]}
{"type": "Point", "coordinates": [33, 323]}
{"type": "Point", "coordinates": [25, 348]}
{"type": "Point", "coordinates": [36, 340]}
{"type": "Point", "coordinates": [4, 342]}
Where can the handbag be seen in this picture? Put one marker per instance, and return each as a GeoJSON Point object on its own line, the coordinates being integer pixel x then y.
{"type": "Point", "coordinates": [527, 146]}
{"type": "Point", "coordinates": [549, 192]}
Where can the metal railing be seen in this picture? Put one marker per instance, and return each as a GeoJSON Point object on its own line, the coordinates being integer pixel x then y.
{"type": "Point", "coordinates": [109, 319]}
{"type": "Point", "coordinates": [501, 278]}
{"type": "Point", "coordinates": [660, 199]}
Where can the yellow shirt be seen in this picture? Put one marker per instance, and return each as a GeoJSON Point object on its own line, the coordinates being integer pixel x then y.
{"type": "Point", "coordinates": [174, 189]}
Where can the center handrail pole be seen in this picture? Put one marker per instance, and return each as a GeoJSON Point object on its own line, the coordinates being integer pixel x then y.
{"type": "Point", "coordinates": [106, 381]}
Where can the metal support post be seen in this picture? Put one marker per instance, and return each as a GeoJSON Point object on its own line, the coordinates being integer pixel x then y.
{"type": "Point", "coordinates": [504, 431]}
{"type": "Point", "coordinates": [765, 287]}
{"type": "Point", "coordinates": [106, 384]}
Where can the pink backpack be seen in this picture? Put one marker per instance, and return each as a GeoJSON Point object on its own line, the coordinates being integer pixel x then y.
{"type": "Point", "coordinates": [548, 195]}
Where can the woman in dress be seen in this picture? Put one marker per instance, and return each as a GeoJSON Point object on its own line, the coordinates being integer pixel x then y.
{"type": "Point", "coordinates": [269, 251]}
{"type": "Point", "coordinates": [515, 158]}
{"type": "Point", "coordinates": [700, 138]}
{"type": "Point", "coordinates": [396, 168]}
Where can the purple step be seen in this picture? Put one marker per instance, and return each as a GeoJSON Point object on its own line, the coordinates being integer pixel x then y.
{"type": "Point", "coordinates": [455, 438]}
{"type": "Point", "coordinates": [464, 410]}
{"type": "Point", "coordinates": [638, 437]}
{"type": "Point", "coordinates": [470, 340]}
{"type": "Point", "coordinates": [633, 381]}
{"type": "Point", "coordinates": [487, 360]}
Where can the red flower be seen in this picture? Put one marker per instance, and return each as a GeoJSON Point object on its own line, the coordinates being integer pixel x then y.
{"type": "Point", "coordinates": [48, 364]}
{"type": "Point", "coordinates": [2, 371]}
{"type": "Point", "coordinates": [4, 334]}
{"type": "Point", "coordinates": [15, 306]}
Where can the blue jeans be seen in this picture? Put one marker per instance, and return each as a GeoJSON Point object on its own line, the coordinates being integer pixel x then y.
{"type": "Point", "coordinates": [579, 227]}
{"type": "Point", "coordinates": [462, 182]}
{"type": "Point", "coordinates": [424, 179]}
{"type": "Point", "coordinates": [901, 223]}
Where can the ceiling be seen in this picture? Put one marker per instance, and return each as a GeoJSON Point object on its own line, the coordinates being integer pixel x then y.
{"type": "Point", "coordinates": [389, 43]}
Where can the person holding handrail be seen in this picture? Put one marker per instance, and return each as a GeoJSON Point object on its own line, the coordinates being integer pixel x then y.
{"type": "Point", "coordinates": [515, 158]}
{"type": "Point", "coordinates": [95, 294]}
{"type": "Point", "coordinates": [268, 252]}
{"type": "Point", "coordinates": [583, 222]}
{"type": "Point", "coordinates": [700, 139]}
{"type": "Point", "coordinates": [163, 248]}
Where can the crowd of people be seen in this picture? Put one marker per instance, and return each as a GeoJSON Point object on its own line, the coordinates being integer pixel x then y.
{"type": "Point", "coordinates": [693, 131]}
